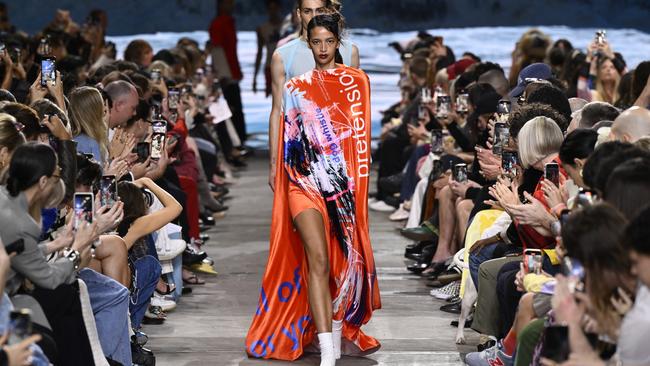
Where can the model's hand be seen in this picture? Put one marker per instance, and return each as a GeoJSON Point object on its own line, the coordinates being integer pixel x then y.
{"type": "Point", "coordinates": [272, 178]}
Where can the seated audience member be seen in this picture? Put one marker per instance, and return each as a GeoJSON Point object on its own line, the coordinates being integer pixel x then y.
{"type": "Point", "coordinates": [595, 112]}
{"type": "Point", "coordinates": [631, 125]}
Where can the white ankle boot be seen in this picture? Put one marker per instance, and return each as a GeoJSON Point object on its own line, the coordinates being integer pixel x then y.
{"type": "Point", "coordinates": [326, 349]}
{"type": "Point", "coordinates": [337, 330]}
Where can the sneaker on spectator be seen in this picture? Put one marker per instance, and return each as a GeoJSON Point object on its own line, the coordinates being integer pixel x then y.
{"type": "Point", "coordinates": [381, 206]}
{"type": "Point", "coordinates": [493, 356]}
{"type": "Point", "coordinates": [400, 214]}
{"type": "Point", "coordinates": [446, 292]}
{"type": "Point", "coordinates": [165, 304]}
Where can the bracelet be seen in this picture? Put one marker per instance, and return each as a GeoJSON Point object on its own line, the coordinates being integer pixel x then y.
{"type": "Point", "coordinates": [73, 256]}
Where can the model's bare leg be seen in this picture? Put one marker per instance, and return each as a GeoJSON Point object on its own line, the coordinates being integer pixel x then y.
{"type": "Point", "coordinates": [312, 231]}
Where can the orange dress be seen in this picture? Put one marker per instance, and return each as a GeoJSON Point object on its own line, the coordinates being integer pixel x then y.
{"type": "Point", "coordinates": [324, 164]}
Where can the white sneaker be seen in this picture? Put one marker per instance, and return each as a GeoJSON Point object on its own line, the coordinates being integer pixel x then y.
{"type": "Point", "coordinates": [164, 303]}
{"type": "Point", "coordinates": [372, 200]}
{"type": "Point", "coordinates": [381, 206]}
{"type": "Point", "coordinates": [399, 215]}
{"type": "Point", "coordinates": [446, 292]}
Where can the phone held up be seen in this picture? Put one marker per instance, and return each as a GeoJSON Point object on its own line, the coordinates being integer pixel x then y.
{"type": "Point", "coordinates": [501, 138]}
{"type": "Point", "coordinates": [48, 71]}
{"type": "Point", "coordinates": [158, 139]}
{"type": "Point", "coordinates": [460, 173]}
{"type": "Point", "coordinates": [552, 173]}
{"type": "Point", "coordinates": [20, 325]}
{"type": "Point", "coordinates": [83, 208]}
{"type": "Point", "coordinates": [108, 190]}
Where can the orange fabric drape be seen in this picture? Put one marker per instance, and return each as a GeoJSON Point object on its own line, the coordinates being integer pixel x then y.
{"type": "Point", "coordinates": [325, 151]}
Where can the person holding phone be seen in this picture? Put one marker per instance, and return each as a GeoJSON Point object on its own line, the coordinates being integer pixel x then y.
{"type": "Point", "coordinates": [32, 177]}
{"type": "Point", "coordinates": [321, 191]}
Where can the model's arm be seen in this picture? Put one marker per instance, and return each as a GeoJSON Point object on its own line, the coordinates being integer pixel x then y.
{"type": "Point", "coordinates": [277, 86]}
{"type": "Point", "coordinates": [149, 223]}
{"type": "Point", "coordinates": [355, 57]}
{"type": "Point", "coordinates": [258, 58]}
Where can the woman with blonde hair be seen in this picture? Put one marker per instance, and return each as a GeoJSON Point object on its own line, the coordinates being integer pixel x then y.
{"type": "Point", "coordinates": [607, 80]}
{"type": "Point", "coordinates": [87, 119]}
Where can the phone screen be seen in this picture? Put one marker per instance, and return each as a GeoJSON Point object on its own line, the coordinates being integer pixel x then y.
{"type": "Point", "coordinates": [48, 71]}
{"type": "Point", "coordinates": [552, 173]}
{"type": "Point", "coordinates": [142, 149]}
{"type": "Point", "coordinates": [501, 138]}
{"type": "Point", "coordinates": [173, 98]}
{"type": "Point", "coordinates": [20, 325]}
{"type": "Point", "coordinates": [461, 103]}
{"type": "Point", "coordinates": [437, 142]}
{"type": "Point", "coordinates": [108, 190]}
{"type": "Point", "coordinates": [157, 145]}
{"type": "Point", "coordinates": [460, 173]}
{"type": "Point", "coordinates": [83, 208]}
{"type": "Point", "coordinates": [443, 106]}
{"type": "Point", "coordinates": [509, 163]}
{"type": "Point", "coordinates": [532, 261]}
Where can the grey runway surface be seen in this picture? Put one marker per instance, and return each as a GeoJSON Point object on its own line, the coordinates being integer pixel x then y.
{"type": "Point", "coordinates": [209, 326]}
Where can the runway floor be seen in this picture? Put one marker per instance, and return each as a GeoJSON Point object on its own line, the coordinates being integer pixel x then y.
{"type": "Point", "coordinates": [209, 326]}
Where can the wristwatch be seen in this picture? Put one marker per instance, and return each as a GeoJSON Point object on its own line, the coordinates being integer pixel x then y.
{"type": "Point", "coordinates": [73, 256]}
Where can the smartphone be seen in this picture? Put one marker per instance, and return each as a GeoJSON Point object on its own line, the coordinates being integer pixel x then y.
{"type": "Point", "coordinates": [422, 112]}
{"type": "Point", "coordinates": [83, 208]}
{"type": "Point", "coordinates": [155, 75]}
{"type": "Point", "coordinates": [437, 142]}
{"type": "Point", "coordinates": [173, 98]}
{"type": "Point", "coordinates": [443, 106]}
{"type": "Point", "coordinates": [3, 49]}
{"type": "Point", "coordinates": [17, 247]}
{"type": "Point", "coordinates": [460, 173]}
{"type": "Point", "coordinates": [556, 343]}
{"type": "Point", "coordinates": [48, 71]}
{"type": "Point", "coordinates": [20, 325]}
{"type": "Point", "coordinates": [142, 149]}
{"type": "Point", "coordinates": [462, 101]}
{"type": "Point", "coordinates": [552, 173]}
{"type": "Point", "coordinates": [509, 162]}
{"type": "Point", "coordinates": [159, 128]}
{"type": "Point", "coordinates": [532, 261]}
{"type": "Point", "coordinates": [157, 145]}
{"type": "Point", "coordinates": [108, 190]}
{"type": "Point", "coordinates": [575, 273]}
{"type": "Point", "coordinates": [501, 138]}
{"type": "Point", "coordinates": [503, 110]}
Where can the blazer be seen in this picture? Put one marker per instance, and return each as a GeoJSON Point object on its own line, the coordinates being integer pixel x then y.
{"type": "Point", "coordinates": [16, 223]}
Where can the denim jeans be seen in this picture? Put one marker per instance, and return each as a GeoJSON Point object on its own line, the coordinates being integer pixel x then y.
{"type": "Point", "coordinates": [147, 272]}
{"type": "Point", "coordinates": [177, 277]}
{"type": "Point", "coordinates": [109, 300]}
{"type": "Point", "coordinates": [476, 258]}
{"type": "Point", "coordinates": [38, 357]}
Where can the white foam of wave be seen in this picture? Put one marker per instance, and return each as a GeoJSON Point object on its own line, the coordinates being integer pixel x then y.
{"type": "Point", "coordinates": [382, 62]}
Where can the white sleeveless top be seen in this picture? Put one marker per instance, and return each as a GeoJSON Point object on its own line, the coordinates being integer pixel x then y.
{"type": "Point", "coordinates": [298, 58]}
